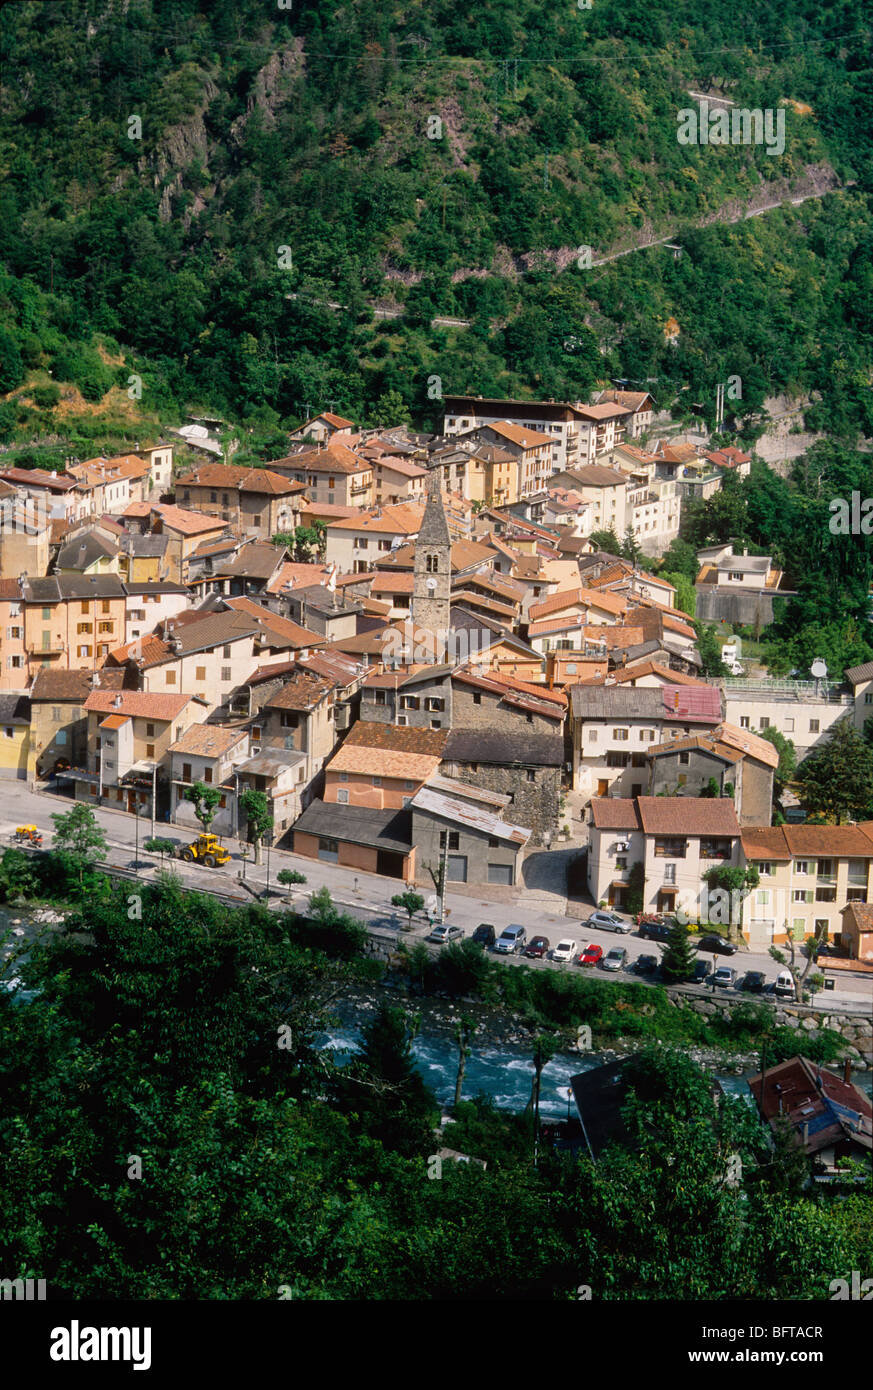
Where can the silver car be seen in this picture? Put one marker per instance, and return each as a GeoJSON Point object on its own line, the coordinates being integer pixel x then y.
{"type": "Point", "coordinates": [608, 921]}
{"type": "Point", "coordinates": [445, 933]}
{"type": "Point", "coordinates": [616, 959]}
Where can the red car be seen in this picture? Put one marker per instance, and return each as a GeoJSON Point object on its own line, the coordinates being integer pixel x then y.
{"type": "Point", "coordinates": [537, 948]}
{"type": "Point", "coordinates": [590, 956]}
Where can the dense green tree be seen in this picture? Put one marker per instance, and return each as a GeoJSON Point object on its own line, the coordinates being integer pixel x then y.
{"type": "Point", "coordinates": [787, 765]}
{"type": "Point", "coordinates": [686, 595]}
{"type": "Point", "coordinates": [709, 648]}
{"type": "Point", "coordinates": [606, 540]}
{"type": "Point", "coordinates": [836, 779]}
{"type": "Point", "coordinates": [79, 837]}
{"type": "Point", "coordinates": [388, 1090]}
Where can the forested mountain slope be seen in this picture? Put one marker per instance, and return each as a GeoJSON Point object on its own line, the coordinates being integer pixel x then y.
{"type": "Point", "coordinates": [449, 163]}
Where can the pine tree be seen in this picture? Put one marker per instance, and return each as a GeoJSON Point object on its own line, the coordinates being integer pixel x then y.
{"type": "Point", "coordinates": [677, 962]}
{"type": "Point", "coordinates": [837, 779]}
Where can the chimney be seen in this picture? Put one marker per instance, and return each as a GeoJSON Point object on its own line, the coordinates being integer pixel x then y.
{"type": "Point", "coordinates": [117, 701]}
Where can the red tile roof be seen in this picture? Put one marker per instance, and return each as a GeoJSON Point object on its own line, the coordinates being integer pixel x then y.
{"type": "Point", "coordinates": [141, 704]}
{"type": "Point", "coordinates": [688, 815]}
{"type": "Point", "coordinates": [222, 475]}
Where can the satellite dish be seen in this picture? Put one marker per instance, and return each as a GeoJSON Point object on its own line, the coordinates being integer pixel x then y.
{"type": "Point", "coordinates": [819, 669]}
{"type": "Point", "coordinates": [431, 583]}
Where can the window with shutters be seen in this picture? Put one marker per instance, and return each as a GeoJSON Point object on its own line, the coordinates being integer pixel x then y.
{"type": "Point", "coordinates": [150, 750]}
{"type": "Point", "coordinates": [207, 774]}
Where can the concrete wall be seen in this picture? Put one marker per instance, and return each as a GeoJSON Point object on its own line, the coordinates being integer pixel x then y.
{"type": "Point", "coordinates": [426, 831]}
{"type": "Point", "coordinates": [716, 605]}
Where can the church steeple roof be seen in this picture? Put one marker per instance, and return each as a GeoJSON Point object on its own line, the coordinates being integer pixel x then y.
{"type": "Point", "coordinates": [434, 524]}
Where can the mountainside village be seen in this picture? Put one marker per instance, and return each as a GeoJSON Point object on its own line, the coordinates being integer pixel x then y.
{"type": "Point", "coordinates": [453, 674]}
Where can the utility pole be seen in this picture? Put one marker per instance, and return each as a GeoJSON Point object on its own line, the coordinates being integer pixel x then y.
{"type": "Point", "coordinates": [719, 406]}
{"type": "Point", "coordinates": [444, 868]}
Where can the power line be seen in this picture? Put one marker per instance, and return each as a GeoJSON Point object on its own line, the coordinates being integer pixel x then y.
{"type": "Point", "coordinates": [207, 40]}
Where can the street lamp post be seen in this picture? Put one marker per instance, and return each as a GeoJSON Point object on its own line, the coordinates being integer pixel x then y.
{"type": "Point", "coordinates": [154, 794]}
{"type": "Point", "coordinates": [269, 846]}
{"type": "Point", "coordinates": [136, 818]}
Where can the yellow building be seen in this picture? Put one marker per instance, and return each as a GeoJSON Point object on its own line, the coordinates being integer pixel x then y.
{"type": "Point", "coordinates": [14, 733]}
{"type": "Point", "coordinates": [72, 622]}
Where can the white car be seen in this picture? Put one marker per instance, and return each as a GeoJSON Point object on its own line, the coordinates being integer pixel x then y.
{"type": "Point", "coordinates": [565, 950]}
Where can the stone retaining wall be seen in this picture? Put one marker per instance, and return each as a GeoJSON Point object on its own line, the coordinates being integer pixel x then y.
{"type": "Point", "coordinates": [856, 1029]}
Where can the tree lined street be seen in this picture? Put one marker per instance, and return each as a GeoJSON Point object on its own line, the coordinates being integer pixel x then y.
{"type": "Point", "coordinates": [369, 897]}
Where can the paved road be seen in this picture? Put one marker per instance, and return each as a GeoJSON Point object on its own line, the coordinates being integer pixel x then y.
{"type": "Point", "coordinates": [368, 896]}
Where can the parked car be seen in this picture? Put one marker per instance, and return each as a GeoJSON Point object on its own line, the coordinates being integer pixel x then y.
{"type": "Point", "coordinates": [590, 954]}
{"type": "Point", "coordinates": [565, 950]}
{"type": "Point", "coordinates": [717, 945]}
{"type": "Point", "coordinates": [725, 975]}
{"type": "Point", "coordinates": [510, 940]}
{"type": "Point", "coordinates": [701, 972]}
{"type": "Point", "coordinates": [445, 933]}
{"type": "Point", "coordinates": [616, 959]}
{"type": "Point", "coordinates": [484, 935]}
{"type": "Point", "coordinates": [784, 986]}
{"type": "Point", "coordinates": [608, 921]}
{"type": "Point", "coordinates": [754, 981]}
{"type": "Point", "coordinates": [645, 965]}
{"type": "Point", "coordinates": [536, 947]}
{"type": "Point", "coordinates": [655, 931]}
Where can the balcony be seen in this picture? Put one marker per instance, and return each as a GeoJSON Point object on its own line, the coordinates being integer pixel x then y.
{"type": "Point", "coordinates": [53, 648]}
{"type": "Point", "coordinates": [715, 849]}
{"type": "Point", "coordinates": [671, 849]}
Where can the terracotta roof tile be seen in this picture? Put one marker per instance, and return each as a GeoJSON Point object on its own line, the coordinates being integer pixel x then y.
{"type": "Point", "coordinates": [257, 480]}
{"type": "Point", "coordinates": [687, 815]}
{"type": "Point", "coordinates": [208, 740]}
{"type": "Point", "coordinates": [138, 704]}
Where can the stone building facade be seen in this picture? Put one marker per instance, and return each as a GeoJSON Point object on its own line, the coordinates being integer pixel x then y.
{"type": "Point", "coordinates": [526, 768]}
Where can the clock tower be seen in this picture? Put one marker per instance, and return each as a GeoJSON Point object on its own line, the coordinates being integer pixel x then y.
{"type": "Point", "coordinates": [432, 585]}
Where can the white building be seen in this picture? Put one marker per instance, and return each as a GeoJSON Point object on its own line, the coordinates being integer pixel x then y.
{"type": "Point", "coordinates": [677, 839]}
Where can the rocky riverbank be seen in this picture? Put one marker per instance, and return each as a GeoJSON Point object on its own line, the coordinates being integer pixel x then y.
{"type": "Point", "coordinates": [495, 1029]}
